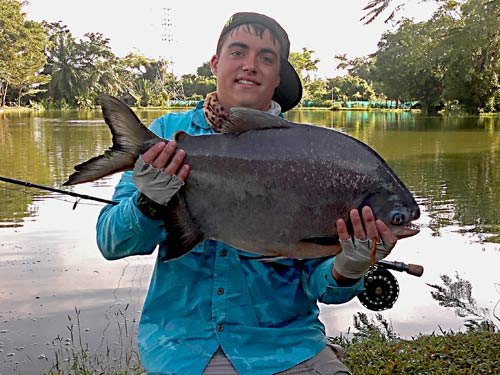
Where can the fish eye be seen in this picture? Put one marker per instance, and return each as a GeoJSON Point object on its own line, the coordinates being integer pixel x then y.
{"type": "Point", "coordinates": [398, 218]}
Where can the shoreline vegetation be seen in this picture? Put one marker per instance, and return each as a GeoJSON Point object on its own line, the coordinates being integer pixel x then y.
{"type": "Point", "coordinates": [374, 348]}
{"type": "Point", "coordinates": [449, 62]}
{"type": "Point", "coordinates": [19, 110]}
{"type": "Point", "coordinates": [377, 353]}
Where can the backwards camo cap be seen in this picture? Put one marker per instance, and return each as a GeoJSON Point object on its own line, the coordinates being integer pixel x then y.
{"type": "Point", "coordinates": [289, 91]}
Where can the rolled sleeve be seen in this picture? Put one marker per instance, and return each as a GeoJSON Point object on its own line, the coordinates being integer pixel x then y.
{"type": "Point", "coordinates": [319, 283]}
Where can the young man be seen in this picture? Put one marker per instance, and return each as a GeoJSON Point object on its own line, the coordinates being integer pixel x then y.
{"type": "Point", "coordinates": [218, 310]}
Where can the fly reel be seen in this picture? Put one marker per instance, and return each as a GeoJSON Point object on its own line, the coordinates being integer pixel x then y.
{"type": "Point", "coordinates": [381, 287]}
{"type": "Point", "coordinates": [381, 290]}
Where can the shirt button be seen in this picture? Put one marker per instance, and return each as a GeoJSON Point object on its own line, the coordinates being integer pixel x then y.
{"type": "Point", "coordinates": [220, 291]}
{"type": "Point", "coordinates": [220, 328]}
{"type": "Point", "coordinates": [223, 253]}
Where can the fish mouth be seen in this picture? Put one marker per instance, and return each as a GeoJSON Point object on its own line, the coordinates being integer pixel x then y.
{"type": "Point", "coordinates": [407, 230]}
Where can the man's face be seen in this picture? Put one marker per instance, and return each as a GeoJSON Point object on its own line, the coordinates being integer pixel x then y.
{"type": "Point", "coordinates": [247, 70]}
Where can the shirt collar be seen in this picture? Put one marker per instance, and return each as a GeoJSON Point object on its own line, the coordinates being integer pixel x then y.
{"type": "Point", "coordinates": [199, 118]}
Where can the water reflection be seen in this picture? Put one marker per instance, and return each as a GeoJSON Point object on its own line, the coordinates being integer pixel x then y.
{"type": "Point", "coordinates": [43, 149]}
{"type": "Point", "coordinates": [452, 164]}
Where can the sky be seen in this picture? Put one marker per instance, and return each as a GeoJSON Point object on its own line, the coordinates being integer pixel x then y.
{"type": "Point", "coordinates": [186, 32]}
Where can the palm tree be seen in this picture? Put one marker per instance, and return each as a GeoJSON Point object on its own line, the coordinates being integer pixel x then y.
{"type": "Point", "coordinates": [62, 64]}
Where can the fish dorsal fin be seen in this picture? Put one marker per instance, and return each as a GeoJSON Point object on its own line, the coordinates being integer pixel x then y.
{"type": "Point", "coordinates": [245, 119]}
{"type": "Point", "coordinates": [180, 135]}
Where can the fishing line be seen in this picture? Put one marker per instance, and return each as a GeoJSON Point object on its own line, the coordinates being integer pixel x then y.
{"type": "Point", "coordinates": [52, 196]}
{"type": "Point", "coordinates": [48, 188]}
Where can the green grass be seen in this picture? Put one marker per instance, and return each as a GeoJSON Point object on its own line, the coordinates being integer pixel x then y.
{"type": "Point", "coordinates": [473, 352]}
{"type": "Point", "coordinates": [72, 356]}
{"type": "Point", "coordinates": [376, 349]}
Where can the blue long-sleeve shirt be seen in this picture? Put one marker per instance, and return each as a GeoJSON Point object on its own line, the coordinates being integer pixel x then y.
{"type": "Point", "coordinates": [263, 315]}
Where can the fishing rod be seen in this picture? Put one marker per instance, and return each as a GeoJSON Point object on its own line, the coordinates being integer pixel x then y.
{"type": "Point", "coordinates": [36, 186]}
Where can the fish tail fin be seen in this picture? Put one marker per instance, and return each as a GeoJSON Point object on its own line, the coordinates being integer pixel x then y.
{"type": "Point", "coordinates": [183, 233]}
{"type": "Point", "coordinates": [129, 136]}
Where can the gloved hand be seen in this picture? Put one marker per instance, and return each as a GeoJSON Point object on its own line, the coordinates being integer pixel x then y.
{"type": "Point", "coordinates": [355, 258]}
{"type": "Point", "coordinates": [158, 174]}
{"type": "Point", "coordinates": [154, 183]}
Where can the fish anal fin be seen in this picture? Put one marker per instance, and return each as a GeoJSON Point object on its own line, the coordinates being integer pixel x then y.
{"type": "Point", "coordinates": [324, 240]}
{"type": "Point", "coordinates": [182, 232]}
{"type": "Point", "coordinates": [246, 119]}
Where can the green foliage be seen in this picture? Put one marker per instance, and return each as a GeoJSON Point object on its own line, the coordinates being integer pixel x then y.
{"type": "Point", "coordinates": [198, 86]}
{"type": "Point", "coordinates": [406, 66]}
{"type": "Point", "coordinates": [376, 349]}
{"type": "Point", "coordinates": [305, 64]}
{"type": "Point", "coordinates": [350, 88]}
{"type": "Point", "coordinates": [450, 61]}
{"type": "Point", "coordinates": [204, 70]}
{"type": "Point", "coordinates": [21, 52]}
{"type": "Point", "coordinates": [361, 67]}
{"type": "Point", "coordinates": [473, 64]}
{"type": "Point", "coordinates": [438, 354]}
{"type": "Point", "coordinates": [457, 294]}
{"type": "Point", "coordinates": [79, 70]}
{"type": "Point", "coordinates": [452, 57]}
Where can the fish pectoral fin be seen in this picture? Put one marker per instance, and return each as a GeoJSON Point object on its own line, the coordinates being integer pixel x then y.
{"type": "Point", "coordinates": [245, 119]}
{"type": "Point", "coordinates": [324, 240]}
{"type": "Point", "coordinates": [182, 232]}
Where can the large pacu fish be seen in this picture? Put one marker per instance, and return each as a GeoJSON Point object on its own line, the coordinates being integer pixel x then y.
{"type": "Point", "coordinates": [265, 185]}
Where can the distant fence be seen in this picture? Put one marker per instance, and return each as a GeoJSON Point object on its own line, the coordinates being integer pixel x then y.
{"type": "Point", "coordinates": [182, 103]}
{"type": "Point", "coordinates": [388, 104]}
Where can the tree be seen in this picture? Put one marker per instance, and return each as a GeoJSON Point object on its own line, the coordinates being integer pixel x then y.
{"type": "Point", "coordinates": [204, 70]}
{"type": "Point", "coordinates": [407, 65]}
{"type": "Point", "coordinates": [362, 67]}
{"type": "Point", "coordinates": [197, 87]}
{"type": "Point", "coordinates": [350, 88]}
{"type": "Point", "coordinates": [21, 51]}
{"type": "Point", "coordinates": [305, 64]}
{"type": "Point", "coordinates": [375, 8]}
{"type": "Point", "coordinates": [81, 69]}
{"type": "Point", "coordinates": [97, 65]}
{"type": "Point", "coordinates": [62, 63]}
{"type": "Point", "coordinates": [452, 58]}
{"type": "Point", "coordinates": [472, 77]}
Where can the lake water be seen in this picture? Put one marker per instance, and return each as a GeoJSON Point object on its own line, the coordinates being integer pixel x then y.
{"type": "Point", "coordinates": [58, 294]}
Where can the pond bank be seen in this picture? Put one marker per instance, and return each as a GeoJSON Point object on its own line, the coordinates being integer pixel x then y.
{"type": "Point", "coordinates": [474, 352]}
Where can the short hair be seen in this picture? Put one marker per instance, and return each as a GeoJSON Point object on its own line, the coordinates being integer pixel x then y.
{"type": "Point", "coordinates": [251, 28]}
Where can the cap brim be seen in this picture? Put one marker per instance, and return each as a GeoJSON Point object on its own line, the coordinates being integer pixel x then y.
{"type": "Point", "coordinates": [289, 91]}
